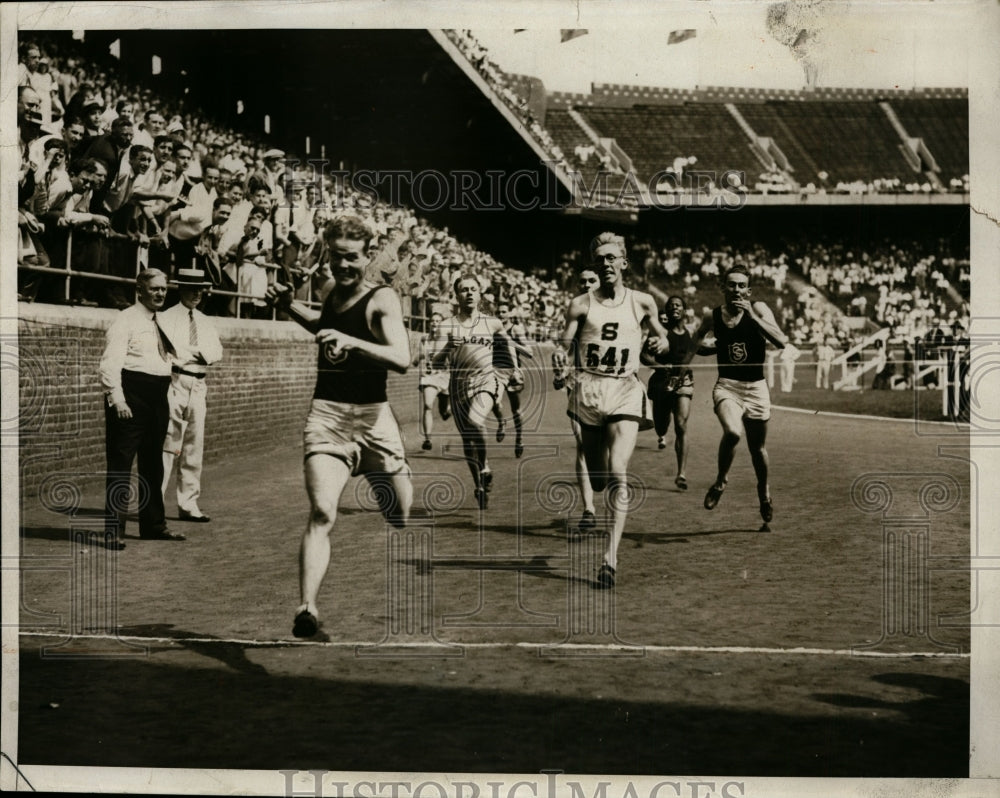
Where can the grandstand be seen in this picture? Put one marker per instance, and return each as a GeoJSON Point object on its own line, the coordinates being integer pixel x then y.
{"type": "Point", "coordinates": [891, 145]}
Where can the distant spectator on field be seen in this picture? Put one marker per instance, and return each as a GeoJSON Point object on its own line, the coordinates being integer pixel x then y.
{"type": "Point", "coordinates": [885, 368]}
{"type": "Point", "coordinates": [907, 375]}
{"type": "Point", "coordinates": [824, 354]}
{"type": "Point", "coordinates": [787, 358]}
{"type": "Point", "coordinates": [879, 359]}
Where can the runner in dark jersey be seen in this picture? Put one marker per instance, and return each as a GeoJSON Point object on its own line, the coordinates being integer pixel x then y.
{"type": "Point", "coordinates": [350, 429]}
{"type": "Point", "coordinates": [671, 385]}
{"type": "Point", "coordinates": [741, 398]}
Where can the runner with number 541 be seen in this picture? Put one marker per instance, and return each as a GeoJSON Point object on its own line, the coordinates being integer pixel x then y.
{"type": "Point", "coordinates": [604, 335]}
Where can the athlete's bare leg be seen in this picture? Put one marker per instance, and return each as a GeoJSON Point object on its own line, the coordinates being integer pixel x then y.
{"type": "Point", "coordinates": [682, 409]}
{"type": "Point", "coordinates": [621, 437]}
{"type": "Point", "coordinates": [394, 494]}
{"type": "Point", "coordinates": [471, 422]}
{"type": "Point", "coordinates": [326, 477]}
{"type": "Point", "coordinates": [756, 438]}
{"type": "Point", "coordinates": [582, 477]}
{"type": "Point", "coordinates": [498, 415]}
{"type": "Point", "coordinates": [515, 411]}
{"type": "Point", "coordinates": [595, 455]}
{"type": "Point", "coordinates": [730, 415]}
{"type": "Point", "coordinates": [427, 415]}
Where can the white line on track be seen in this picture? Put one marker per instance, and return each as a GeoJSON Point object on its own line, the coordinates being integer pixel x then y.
{"type": "Point", "coordinates": [447, 645]}
{"type": "Point", "coordinates": [963, 425]}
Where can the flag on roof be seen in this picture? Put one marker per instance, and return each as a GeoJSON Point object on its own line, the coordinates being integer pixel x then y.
{"type": "Point", "coordinates": [568, 34]}
{"type": "Point", "coordinates": [678, 36]}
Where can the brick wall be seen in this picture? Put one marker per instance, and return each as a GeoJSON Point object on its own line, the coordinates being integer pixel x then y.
{"type": "Point", "coordinates": [257, 396]}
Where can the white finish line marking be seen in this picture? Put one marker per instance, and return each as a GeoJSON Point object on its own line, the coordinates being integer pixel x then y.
{"type": "Point", "coordinates": [962, 425]}
{"type": "Point", "coordinates": [446, 646]}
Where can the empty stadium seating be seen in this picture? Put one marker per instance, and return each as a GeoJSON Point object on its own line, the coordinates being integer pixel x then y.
{"type": "Point", "coordinates": [943, 124]}
{"type": "Point", "coordinates": [653, 136]}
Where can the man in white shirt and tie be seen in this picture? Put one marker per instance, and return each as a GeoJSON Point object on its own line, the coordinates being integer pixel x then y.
{"type": "Point", "coordinates": [135, 375]}
{"type": "Point", "coordinates": [196, 346]}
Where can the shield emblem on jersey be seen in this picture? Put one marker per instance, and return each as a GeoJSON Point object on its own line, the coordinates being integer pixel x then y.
{"type": "Point", "coordinates": [737, 352]}
{"type": "Point", "coordinates": [328, 354]}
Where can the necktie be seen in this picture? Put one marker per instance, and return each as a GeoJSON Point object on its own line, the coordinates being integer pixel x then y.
{"type": "Point", "coordinates": [162, 342]}
{"type": "Point", "coordinates": [192, 329]}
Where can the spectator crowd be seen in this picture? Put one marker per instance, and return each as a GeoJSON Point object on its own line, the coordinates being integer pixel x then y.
{"type": "Point", "coordinates": [114, 179]}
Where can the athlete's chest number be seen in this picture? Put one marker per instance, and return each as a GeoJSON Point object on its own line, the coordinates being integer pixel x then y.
{"type": "Point", "coordinates": [613, 361]}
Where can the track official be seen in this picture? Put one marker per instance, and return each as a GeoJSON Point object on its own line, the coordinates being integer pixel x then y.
{"type": "Point", "coordinates": [135, 375]}
{"type": "Point", "coordinates": [196, 347]}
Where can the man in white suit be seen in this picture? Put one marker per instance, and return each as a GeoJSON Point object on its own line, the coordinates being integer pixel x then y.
{"type": "Point", "coordinates": [197, 347]}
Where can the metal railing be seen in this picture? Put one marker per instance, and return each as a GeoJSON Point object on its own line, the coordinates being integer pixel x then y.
{"type": "Point", "coordinates": [67, 273]}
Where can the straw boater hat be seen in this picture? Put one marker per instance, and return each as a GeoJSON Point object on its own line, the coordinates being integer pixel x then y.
{"type": "Point", "coordinates": [191, 278]}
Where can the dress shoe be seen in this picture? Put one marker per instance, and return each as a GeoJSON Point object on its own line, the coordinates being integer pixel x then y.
{"type": "Point", "coordinates": [183, 515]}
{"type": "Point", "coordinates": [163, 534]}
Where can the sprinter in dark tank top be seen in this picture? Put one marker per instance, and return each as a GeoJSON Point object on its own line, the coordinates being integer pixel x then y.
{"type": "Point", "coordinates": [742, 402]}
{"type": "Point", "coordinates": [350, 429]}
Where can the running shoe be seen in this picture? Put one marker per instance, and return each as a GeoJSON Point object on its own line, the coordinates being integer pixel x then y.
{"type": "Point", "coordinates": [426, 445]}
{"type": "Point", "coordinates": [606, 577]}
{"type": "Point", "coordinates": [518, 449]}
{"type": "Point", "coordinates": [487, 478]}
{"type": "Point", "coordinates": [661, 444]}
{"type": "Point", "coordinates": [681, 482]}
{"type": "Point", "coordinates": [713, 496]}
{"type": "Point", "coordinates": [587, 521]}
{"type": "Point", "coordinates": [306, 624]}
{"type": "Point", "coordinates": [501, 430]}
{"type": "Point", "coordinates": [766, 510]}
